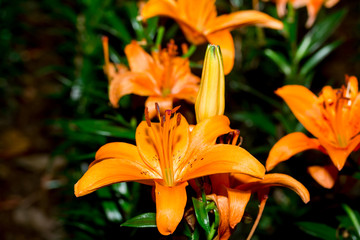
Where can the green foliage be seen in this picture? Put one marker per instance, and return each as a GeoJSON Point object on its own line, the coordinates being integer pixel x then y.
{"type": "Point", "coordinates": [141, 221]}
{"type": "Point", "coordinates": [318, 230]}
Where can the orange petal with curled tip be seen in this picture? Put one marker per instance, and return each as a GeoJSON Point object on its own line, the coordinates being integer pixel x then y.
{"type": "Point", "coordinates": [113, 170]}
{"type": "Point", "coordinates": [222, 158]}
{"type": "Point", "coordinates": [170, 205]}
{"type": "Point", "coordinates": [324, 175]}
{"type": "Point", "coordinates": [288, 146]}
{"type": "Point", "coordinates": [226, 42]}
{"type": "Point", "coordinates": [277, 179]}
{"type": "Point", "coordinates": [242, 18]}
{"type": "Point", "coordinates": [304, 105]}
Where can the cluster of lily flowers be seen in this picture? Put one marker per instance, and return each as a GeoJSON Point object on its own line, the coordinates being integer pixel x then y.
{"type": "Point", "coordinates": [170, 154]}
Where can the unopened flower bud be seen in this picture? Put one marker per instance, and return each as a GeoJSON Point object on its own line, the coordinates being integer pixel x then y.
{"type": "Point", "coordinates": [210, 100]}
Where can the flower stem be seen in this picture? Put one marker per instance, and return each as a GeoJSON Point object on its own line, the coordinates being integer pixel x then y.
{"type": "Point", "coordinates": [190, 52]}
{"type": "Point", "coordinates": [159, 37]}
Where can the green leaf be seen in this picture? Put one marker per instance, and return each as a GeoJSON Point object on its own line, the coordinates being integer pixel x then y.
{"type": "Point", "coordinates": [353, 217]}
{"type": "Point", "coordinates": [357, 175]}
{"type": "Point", "coordinates": [319, 34]}
{"type": "Point", "coordinates": [318, 230]}
{"type": "Point", "coordinates": [280, 60]}
{"type": "Point", "coordinates": [190, 234]}
{"type": "Point", "coordinates": [112, 212]}
{"type": "Point", "coordinates": [132, 11]}
{"type": "Point", "coordinates": [151, 28]}
{"type": "Point", "coordinates": [318, 57]}
{"type": "Point", "coordinates": [257, 118]}
{"type": "Point", "coordinates": [202, 215]}
{"type": "Point", "coordinates": [103, 128]}
{"type": "Point", "coordinates": [118, 28]}
{"type": "Point", "coordinates": [141, 221]}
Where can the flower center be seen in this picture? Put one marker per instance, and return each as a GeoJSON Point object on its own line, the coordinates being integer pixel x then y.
{"type": "Point", "coordinates": [164, 137]}
{"type": "Point", "coordinates": [167, 56]}
{"type": "Point", "coordinates": [336, 106]}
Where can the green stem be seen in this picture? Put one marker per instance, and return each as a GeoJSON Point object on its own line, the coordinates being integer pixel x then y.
{"type": "Point", "coordinates": [159, 37]}
{"type": "Point", "coordinates": [212, 232]}
{"type": "Point", "coordinates": [291, 29]}
{"type": "Point", "coordinates": [190, 52]}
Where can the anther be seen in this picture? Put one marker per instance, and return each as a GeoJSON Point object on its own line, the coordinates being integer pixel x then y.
{"type": "Point", "coordinates": [229, 137]}
{"type": "Point", "coordinates": [163, 119]}
{"type": "Point", "coordinates": [147, 118]}
{"type": "Point", "coordinates": [178, 119]}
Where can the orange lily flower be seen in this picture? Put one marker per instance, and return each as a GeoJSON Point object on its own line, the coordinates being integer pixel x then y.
{"type": "Point", "coordinates": [232, 192]}
{"type": "Point", "coordinates": [200, 23]}
{"type": "Point", "coordinates": [162, 76]}
{"type": "Point", "coordinates": [167, 155]}
{"type": "Point", "coordinates": [332, 117]}
{"type": "Point", "coordinates": [313, 7]}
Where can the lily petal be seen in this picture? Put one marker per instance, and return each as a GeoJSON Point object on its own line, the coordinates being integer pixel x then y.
{"type": "Point", "coordinates": [313, 8]}
{"type": "Point", "coordinates": [170, 205]}
{"type": "Point", "coordinates": [164, 104]}
{"type": "Point", "coordinates": [288, 146]}
{"type": "Point", "coordinates": [339, 155]}
{"type": "Point", "coordinates": [222, 204]}
{"type": "Point", "coordinates": [281, 7]}
{"type": "Point", "coordinates": [159, 7]}
{"type": "Point", "coordinates": [238, 200]}
{"type": "Point", "coordinates": [130, 82]}
{"type": "Point", "coordinates": [139, 60]}
{"type": "Point", "coordinates": [219, 183]}
{"type": "Point", "coordinates": [304, 104]}
{"type": "Point", "coordinates": [278, 179]}
{"type": "Point", "coordinates": [243, 18]}
{"type": "Point", "coordinates": [205, 12]}
{"type": "Point", "coordinates": [226, 43]}
{"type": "Point", "coordinates": [118, 150]}
{"type": "Point", "coordinates": [222, 158]}
{"type": "Point", "coordinates": [324, 175]}
{"type": "Point", "coordinates": [354, 122]}
{"type": "Point", "coordinates": [207, 131]}
{"type": "Point", "coordinates": [111, 171]}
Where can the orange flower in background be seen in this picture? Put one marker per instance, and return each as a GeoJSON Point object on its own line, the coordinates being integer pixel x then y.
{"type": "Point", "coordinates": [162, 76]}
{"type": "Point", "coordinates": [167, 155]}
{"type": "Point", "coordinates": [200, 23]}
{"type": "Point", "coordinates": [232, 192]}
{"type": "Point", "coordinates": [333, 118]}
{"type": "Point", "coordinates": [313, 7]}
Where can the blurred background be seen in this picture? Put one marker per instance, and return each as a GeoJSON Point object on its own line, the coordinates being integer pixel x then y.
{"type": "Point", "coordinates": [55, 114]}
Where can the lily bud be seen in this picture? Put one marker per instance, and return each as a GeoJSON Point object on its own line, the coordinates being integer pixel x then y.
{"type": "Point", "coordinates": [210, 100]}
